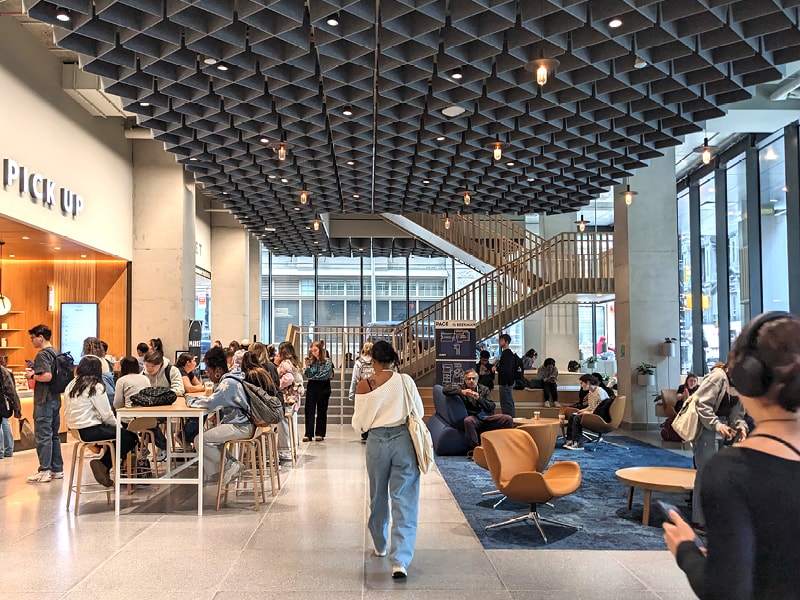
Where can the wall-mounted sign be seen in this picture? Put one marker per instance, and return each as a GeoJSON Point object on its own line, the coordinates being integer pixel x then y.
{"type": "Point", "coordinates": [40, 189]}
{"type": "Point", "coordinates": [455, 350]}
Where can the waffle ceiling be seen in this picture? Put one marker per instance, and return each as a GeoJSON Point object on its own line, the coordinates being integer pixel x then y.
{"type": "Point", "coordinates": [290, 76]}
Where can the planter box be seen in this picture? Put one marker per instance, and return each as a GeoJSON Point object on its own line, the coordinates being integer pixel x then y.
{"type": "Point", "coordinates": [647, 380]}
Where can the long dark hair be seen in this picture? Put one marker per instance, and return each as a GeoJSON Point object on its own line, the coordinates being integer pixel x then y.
{"type": "Point", "coordinates": [383, 353]}
{"type": "Point", "coordinates": [255, 373]}
{"type": "Point", "coordinates": [88, 374]}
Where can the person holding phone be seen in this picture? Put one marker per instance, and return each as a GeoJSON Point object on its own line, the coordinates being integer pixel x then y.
{"type": "Point", "coordinates": [750, 491]}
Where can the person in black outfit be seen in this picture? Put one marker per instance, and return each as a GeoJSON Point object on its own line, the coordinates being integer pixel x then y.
{"type": "Point", "coordinates": [506, 369]}
{"type": "Point", "coordinates": [685, 390]}
{"type": "Point", "coordinates": [750, 490]}
{"type": "Point", "coordinates": [480, 409]}
{"type": "Point", "coordinates": [485, 370]}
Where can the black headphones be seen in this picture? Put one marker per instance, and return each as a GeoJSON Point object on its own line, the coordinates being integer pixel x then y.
{"type": "Point", "coordinates": [750, 375]}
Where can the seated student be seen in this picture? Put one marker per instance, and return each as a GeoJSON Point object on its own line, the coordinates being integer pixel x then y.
{"type": "Point", "coordinates": [230, 398]}
{"type": "Point", "coordinates": [601, 383]}
{"type": "Point", "coordinates": [130, 382]}
{"type": "Point", "coordinates": [593, 399]}
{"type": "Point", "coordinates": [161, 374]}
{"type": "Point", "coordinates": [548, 373]}
{"type": "Point", "coordinates": [187, 363]}
{"type": "Point", "coordinates": [87, 411]}
{"type": "Point", "coordinates": [528, 360]}
{"type": "Point", "coordinates": [94, 347]}
{"type": "Point", "coordinates": [480, 409]}
{"type": "Point", "coordinates": [141, 350]}
{"type": "Point", "coordinates": [485, 370]}
{"type": "Point", "coordinates": [157, 345]}
{"type": "Point", "coordinates": [686, 389]}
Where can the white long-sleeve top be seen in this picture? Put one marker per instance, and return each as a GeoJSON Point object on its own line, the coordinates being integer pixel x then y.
{"type": "Point", "coordinates": [85, 410]}
{"type": "Point", "coordinates": [385, 406]}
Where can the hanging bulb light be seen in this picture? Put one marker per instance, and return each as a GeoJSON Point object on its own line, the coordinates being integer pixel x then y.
{"type": "Point", "coordinates": [446, 221]}
{"type": "Point", "coordinates": [498, 151]}
{"type": "Point", "coordinates": [467, 198]}
{"type": "Point", "coordinates": [628, 194]}
{"type": "Point", "coordinates": [582, 224]}
{"type": "Point", "coordinates": [541, 74]}
{"type": "Point", "coordinates": [281, 151]}
{"type": "Point", "coordinates": [316, 224]}
{"type": "Point", "coordinates": [706, 154]}
{"type": "Point", "coordinates": [303, 197]}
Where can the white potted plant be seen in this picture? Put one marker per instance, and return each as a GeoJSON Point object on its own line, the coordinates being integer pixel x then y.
{"type": "Point", "coordinates": [646, 374]}
{"type": "Point", "coordinates": [668, 347]}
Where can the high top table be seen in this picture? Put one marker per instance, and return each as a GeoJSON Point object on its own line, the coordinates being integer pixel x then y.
{"type": "Point", "coordinates": [176, 409]}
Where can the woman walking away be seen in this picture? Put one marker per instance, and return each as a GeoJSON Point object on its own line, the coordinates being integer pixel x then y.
{"type": "Point", "coordinates": [382, 410]}
{"type": "Point", "coordinates": [319, 370]}
{"type": "Point", "coordinates": [750, 491]}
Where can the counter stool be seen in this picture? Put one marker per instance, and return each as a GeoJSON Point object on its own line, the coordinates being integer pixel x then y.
{"type": "Point", "coordinates": [78, 454]}
{"type": "Point", "coordinates": [290, 419]}
{"type": "Point", "coordinates": [142, 427]}
{"type": "Point", "coordinates": [269, 445]}
{"type": "Point", "coordinates": [246, 450]}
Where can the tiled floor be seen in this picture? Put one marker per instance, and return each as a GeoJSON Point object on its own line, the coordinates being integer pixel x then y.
{"type": "Point", "coordinates": [309, 541]}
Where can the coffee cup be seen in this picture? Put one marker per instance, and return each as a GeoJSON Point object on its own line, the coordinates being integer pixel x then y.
{"type": "Point", "coordinates": [209, 388]}
{"type": "Point", "coordinates": [537, 415]}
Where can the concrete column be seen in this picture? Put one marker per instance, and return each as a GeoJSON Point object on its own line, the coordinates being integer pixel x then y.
{"type": "Point", "coordinates": [162, 291]}
{"type": "Point", "coordinates": [646, 285]}
{"type": "Point", "coordinates": [230, 279]}
{"type": "Point", "coordinates": [254, 286]}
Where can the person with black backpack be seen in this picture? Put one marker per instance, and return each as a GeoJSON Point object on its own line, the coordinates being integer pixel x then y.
{"type": "Point", "coordinates": [506, 369]}
{"type": "Point", "coordinates": [46, 405]}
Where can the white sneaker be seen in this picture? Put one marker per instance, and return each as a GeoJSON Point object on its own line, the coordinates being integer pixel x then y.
{"type": "Point", "coordinates": [379, 553]}
{"type": "Point", "coordinates": [162, 456]}
{"type": "Point", "coordinates": [285, 456]}
{"type": "Point", "coordinates": [399, 572]}
{"type": "Point", "coordinates": [231, 472]}
{"type": "Point", "coordinates": [57, 474]}
{"type": "Point", "coordinates": [40, 477]}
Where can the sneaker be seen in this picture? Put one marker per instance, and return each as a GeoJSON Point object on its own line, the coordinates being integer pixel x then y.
{"type": "Point", "coordinates": [574, 446]}
{"type": "Point", "coordinates": [40, 477]}
{"type": "Point", "coordinates": [284, 456]}
{"type": "Point", "coordinates": [319, 438]}
{"type": "Point", "coordinates": [306, 439]}
{"type": "Point", "coordinates": [399, 572]}
{"type": "Point", "coordinates": [100, 473]}
{"type": "Point", "coordinates": [379, 553]}
{"type": "Point", "coordinates": [568, 443]}
{"type": "Point", "coordinates": [231, 472]}
{"type": "Point", "coordinates": [57, 474]}
{"type": "Point", "coordinates": [470, 454]}
{"type": "Point", "coordinates": [162, 456]}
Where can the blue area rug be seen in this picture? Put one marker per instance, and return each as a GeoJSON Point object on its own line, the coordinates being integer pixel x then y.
{"type": "Point", "coordinates": [599, 505]}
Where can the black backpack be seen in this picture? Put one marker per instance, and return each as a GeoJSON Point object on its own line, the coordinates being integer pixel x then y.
{"type": "Point", "coordinates": [63, 371]}
{"type": "Point", "coordinates": [265, 410]}
{"type": "Point", "coordinates": [6, 408]}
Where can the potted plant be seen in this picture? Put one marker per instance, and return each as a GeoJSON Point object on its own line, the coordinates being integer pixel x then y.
{"type": "Point", "coordinates": [647, 374]}
{"type": "Point", "coordinates": [668, 347]}
{"type": "Point", "coordinates": [589, 364]}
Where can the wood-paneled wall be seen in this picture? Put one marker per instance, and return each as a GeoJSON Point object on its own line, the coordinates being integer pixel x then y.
{"type": "Point", "coordinates": [104, 282]}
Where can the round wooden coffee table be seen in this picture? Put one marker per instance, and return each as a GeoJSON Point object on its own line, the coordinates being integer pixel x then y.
{"type": "Point", "coordinates": [659, 479]}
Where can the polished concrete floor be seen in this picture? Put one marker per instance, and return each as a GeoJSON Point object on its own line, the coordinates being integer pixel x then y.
{"type": "Point", "coordinates": [309, 541]}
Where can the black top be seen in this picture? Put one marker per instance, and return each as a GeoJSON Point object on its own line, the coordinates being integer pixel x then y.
{"type": "Point", "coordinates": [485, 374]}
{"type": "Point", "coordinates": [750, 504]}
{"type": "Point", "coordinates": [506, 368]}
{"type": "Point", "coordinates": [683, 387]}
{"type": "Point", "coordinates": [44, 363]}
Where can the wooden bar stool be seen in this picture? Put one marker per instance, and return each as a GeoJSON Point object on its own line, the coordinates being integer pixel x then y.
{"type": "Point", "coordinates": [269, 449]}
{"type": "Point", "coordinates": [78, 454]}
{"type": "Point", "coordinates": [290, 419]}
{"type": "Point", "coordinates": [142, 427]}
{"type": "Point", "coordinates": [249, 450]}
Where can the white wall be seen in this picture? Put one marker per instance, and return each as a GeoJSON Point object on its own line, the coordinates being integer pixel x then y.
{"type": "Point", "coordinates": [202, 232]}
{"type": "Point", "coordinates": [43, 129]}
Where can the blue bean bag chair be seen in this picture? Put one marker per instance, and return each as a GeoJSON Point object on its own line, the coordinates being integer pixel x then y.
{"type": "Point", "coordinates": [447, 424]}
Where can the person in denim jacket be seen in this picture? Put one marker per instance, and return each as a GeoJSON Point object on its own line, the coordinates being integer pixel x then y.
{"type": "Point", "coordinates": [230, 399]}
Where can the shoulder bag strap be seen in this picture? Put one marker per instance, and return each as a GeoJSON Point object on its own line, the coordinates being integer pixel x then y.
{"type": "Point", "coordinates": [406, 396]}
{"type": "Point", "coordinates": [777, 439]}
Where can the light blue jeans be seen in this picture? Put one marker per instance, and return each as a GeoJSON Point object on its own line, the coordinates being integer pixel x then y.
{"type": "Point", "coordinates": [7, 439]}
{"type": "Point", "coordinates": [393, 475]}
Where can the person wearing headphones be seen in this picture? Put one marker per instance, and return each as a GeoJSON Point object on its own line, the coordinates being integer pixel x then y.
{"type": "Point", "coordinates": [750, 490]}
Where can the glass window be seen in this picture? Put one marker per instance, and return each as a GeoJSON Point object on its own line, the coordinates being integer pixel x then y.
{"type": "Point", "coordinates": [306, 287]}
{"type": "Point", "coordinates": [285, 313]}
{"type": "Point", "coordinates": [352, 308]}
{"type": "Point", "coordinates": [382, 288]}
{"type": "Point", "coordinates": [330, 312]}
{"type": "Point", "coordinates": [382, 310]}
{"type": "Point", "coordinates": [774, 258]}
{"type": "Point", "coordinates": [398, 287]}
{"type": "Point", "coordinates": [399, 310]}
{"type": "Point", "coordinates": [685, 282]}
{"type": "Point", "coordinates": [708, 264]}
{"type": "Point", "coordinates": [739, 297]}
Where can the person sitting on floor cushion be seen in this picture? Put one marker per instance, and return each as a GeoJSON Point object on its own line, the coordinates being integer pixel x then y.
{"type": "Point", "coordinates": [480, 409]}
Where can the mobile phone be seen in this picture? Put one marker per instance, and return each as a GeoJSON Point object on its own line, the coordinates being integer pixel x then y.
{"type": "Point", "coordinates": [665, 508]}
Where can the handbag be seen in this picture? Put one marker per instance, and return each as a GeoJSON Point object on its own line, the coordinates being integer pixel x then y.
{"type": "Point", "coordinates": [154, 396]}
{"type": "Point", "coordinates": [420, 435]}
{"type": "Point", "coordinates": [264, 410]}
{"type": "Point", "coordinates": [687, 424]}
{"type": "Point", "coordinates": [27, 440]}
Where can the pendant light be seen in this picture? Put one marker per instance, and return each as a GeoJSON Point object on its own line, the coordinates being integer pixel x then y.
{"type": "Point", "coordinates": [304, 197]}
{"type": "Point", "coordinates": [467, 198]}
{"type": "Point", "coordinates": [706, 153]}
{"type": "Point", "coordinates": [5, 303]}
{"type": "Point", "coordinates": [446, 221]}
{"type": "Point", "coordinates": [582, 224]}
{"type": "Point", "coordinates": [497, 148]}
{"type": "Point", "coordinates": [281, 151]}
{"type": "Point", "coordinates": [628, 194]}
{"type": "Point", "coordinates": [316, 223]}
{"type": "Point", "coordinates": [542, 67]}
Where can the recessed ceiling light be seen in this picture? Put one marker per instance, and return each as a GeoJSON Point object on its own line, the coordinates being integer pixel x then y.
{"type": "Point", "coordinates": [144, 104]}
{"type": "Point", "coordinates": [272, 176]}
{"type": "Point", "coordinates": [284, 180]}
{"type": "Point", "coordinates": [263, 140]}
{"type": "Point", "coordinates": [12, 255]}
{"type": "Point", "coordinates": [297, 208]}
{"type": "Point", "coordinates": [509, 164]}
{"type": "Point", "coordinates": [210, 61]}
{"type": "Point", "coordinates": [457, 74]}
{"type": "Point", "coordinates": [454, 110]}
{"type": "Point", "coordinates": [83, 256]}
{"type": "Point", "coordinates": [193, 158]}
{"type": "Point", "coordinates": [316, 242]}
{"type": "Point", "coordinates": [351, 162]}
{"type": "Point", "coordinates": [57, 248]}
{"type": "Point", "coordinates": [347, 111]}
{"type": "Point", "coordinates": [531, 179]}
{"type": "Point", "coordinates": [426, 181]}
{"type": "Point", "coordinates": [440, 138]}
{"type": "Point", "coordinates": [270, 229]}
{"type": "Point", "coordinates": [356, 196]}
{"type": "Point", "coordinates": [25, 237]}
{"type": "Point", "coordinates": [614, 23]}
{"type": "Point", "coordinates": [308, 227]}
{"type": "Point", "coordinates": [62, 14]}
{"type": "Point", "coordinates": [222, 67]}
{"type": "Point", "coordinates": [224, 193]}
{"type": "Point", "coordinates": [333, 20]}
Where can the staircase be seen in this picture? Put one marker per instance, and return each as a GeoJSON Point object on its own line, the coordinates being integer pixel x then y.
{"type": "Point", "coordinates": [531, 274]}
